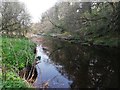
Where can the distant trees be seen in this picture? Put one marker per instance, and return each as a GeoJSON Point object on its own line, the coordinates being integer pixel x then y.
{"type": "Point", "coordinates": [15, 19]}
{"type": "Point", "coordinates": [93, 22]}
{"type": "Point", "coordinates": [66, 16]}
{"type": "Point", "coordinates": [62, 17]}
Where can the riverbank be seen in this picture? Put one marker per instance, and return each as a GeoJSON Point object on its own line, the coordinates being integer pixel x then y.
{"type": "Point", "coordinates": [107, 41]}
{"type": "Point", "coordinates": [16, 54]}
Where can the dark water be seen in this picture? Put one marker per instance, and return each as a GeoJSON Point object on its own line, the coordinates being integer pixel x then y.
{"type": "Point", "coordinates": [66, 65]}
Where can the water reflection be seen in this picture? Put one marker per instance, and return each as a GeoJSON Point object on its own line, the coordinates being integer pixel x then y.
{"type": "Point", "coordinates": [86, 67]}
{"type": "Point", "coordinates": [47, 73]}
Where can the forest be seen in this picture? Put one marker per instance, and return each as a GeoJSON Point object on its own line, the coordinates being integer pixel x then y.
{"type": "Point", "coordinates": [85, 27]}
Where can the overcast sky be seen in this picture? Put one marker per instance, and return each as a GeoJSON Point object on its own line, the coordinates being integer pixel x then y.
{"type": "Point", "coordinates": [37, 7]}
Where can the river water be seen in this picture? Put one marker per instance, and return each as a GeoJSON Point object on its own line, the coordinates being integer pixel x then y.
{"type": "Point", "coordinates": [66, 65]}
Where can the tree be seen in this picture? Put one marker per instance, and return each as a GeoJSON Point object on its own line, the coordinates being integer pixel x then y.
{"type": "Point", "coordinates": [15, 19]}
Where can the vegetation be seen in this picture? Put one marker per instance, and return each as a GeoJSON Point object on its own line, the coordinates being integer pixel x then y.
{"type": "Point", "coordinates": [16, 54]}
{"type": "Point", "coordinates": [14, 81]}
{"type": "Point", "coordinates": [88, 22]}
{"type": "Point", "coordinates": [15, 19]}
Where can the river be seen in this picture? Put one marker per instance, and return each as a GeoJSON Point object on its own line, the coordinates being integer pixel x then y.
{"type": "Point", "coordinates": [66, 65]}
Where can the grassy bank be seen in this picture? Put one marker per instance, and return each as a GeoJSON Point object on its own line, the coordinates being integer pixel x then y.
{"type": "Point", "coordinates": [16, 54]}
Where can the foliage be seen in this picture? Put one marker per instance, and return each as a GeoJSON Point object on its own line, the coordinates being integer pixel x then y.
{"type": "Point", "coordinates": [16, 54]}
{"type": "Point", "coordinates": [13, 81]}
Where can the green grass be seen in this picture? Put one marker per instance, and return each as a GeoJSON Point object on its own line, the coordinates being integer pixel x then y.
{"type": "Point", "coordinates": [16, 54]}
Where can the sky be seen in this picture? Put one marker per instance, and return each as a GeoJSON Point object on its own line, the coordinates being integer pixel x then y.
{"type": "Point", "coordinates": [37, 7]}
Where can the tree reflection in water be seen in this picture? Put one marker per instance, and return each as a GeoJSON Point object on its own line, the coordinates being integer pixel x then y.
{"type": "Point", "coordinates": [87, 67]}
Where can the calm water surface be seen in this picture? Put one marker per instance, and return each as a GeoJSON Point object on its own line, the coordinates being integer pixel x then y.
{"type": "Point", "coordinates": [66, 65]}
